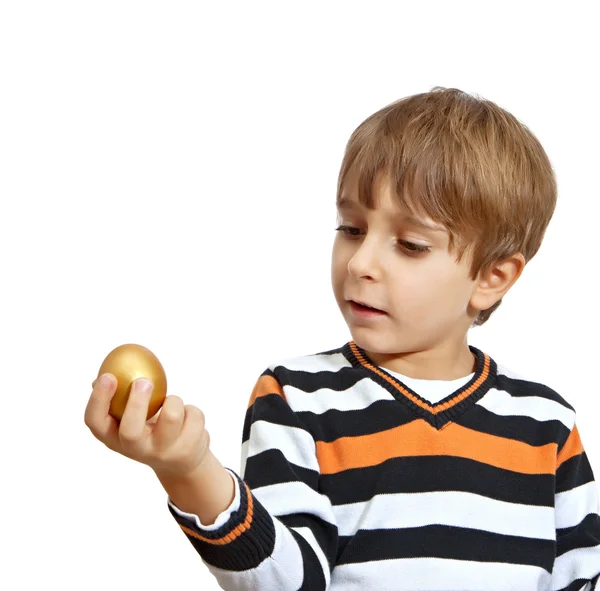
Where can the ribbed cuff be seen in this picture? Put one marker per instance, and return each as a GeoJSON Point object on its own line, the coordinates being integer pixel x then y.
{"type": "Point", "coordinates": [242, 543]}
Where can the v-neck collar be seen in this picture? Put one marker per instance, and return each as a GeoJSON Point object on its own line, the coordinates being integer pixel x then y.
{"type": "Point", "coordinates": [446, 410]}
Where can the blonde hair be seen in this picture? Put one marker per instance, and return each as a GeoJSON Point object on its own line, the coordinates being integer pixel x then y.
{"type": "Point", "coordinates": [464, 162]}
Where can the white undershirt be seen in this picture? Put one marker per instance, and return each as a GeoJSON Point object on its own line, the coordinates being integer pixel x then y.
{"type": "Point", "coordinates": [432, 390]}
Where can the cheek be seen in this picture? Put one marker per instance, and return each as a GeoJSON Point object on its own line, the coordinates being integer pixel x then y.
{"type": "Point", "coordinates": [417, 281]}
{"type": "Point", "coordinates": [428, 288]}
{"type": "Point", "coordinates": [338, 273]}
{"type": "Point", "coordinates": [339, 261]}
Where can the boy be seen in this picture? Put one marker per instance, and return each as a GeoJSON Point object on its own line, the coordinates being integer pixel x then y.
{"type": "Point", "coordinates": [405, 459]}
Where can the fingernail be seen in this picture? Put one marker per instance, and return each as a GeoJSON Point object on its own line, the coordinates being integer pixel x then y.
{"type": "Point", "coordinates": [143, 385]}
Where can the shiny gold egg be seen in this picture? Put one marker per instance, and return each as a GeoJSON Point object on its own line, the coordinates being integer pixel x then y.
{"type": "Point", "coordinates": [129, 363]}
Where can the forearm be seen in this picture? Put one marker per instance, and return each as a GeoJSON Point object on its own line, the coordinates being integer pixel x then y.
{"type": "Point", "coordinates": [205, 493]}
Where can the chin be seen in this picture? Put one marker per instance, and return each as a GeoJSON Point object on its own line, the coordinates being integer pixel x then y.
{"type": "Point", "coordinates": [369, 340]}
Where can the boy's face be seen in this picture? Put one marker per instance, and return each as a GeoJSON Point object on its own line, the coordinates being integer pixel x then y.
{"type": "Point", "coordinates": [426, 296]}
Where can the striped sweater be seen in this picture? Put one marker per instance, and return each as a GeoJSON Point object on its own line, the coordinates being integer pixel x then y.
{"type": "Point", "coordinates": [351, 479]}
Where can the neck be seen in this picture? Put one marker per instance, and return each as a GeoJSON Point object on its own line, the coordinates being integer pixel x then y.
{"type": "Point", "coordinates": [428, 364]}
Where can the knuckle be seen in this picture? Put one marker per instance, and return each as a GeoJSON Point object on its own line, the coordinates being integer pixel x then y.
{"type": "Point", "coordinates": [90, 422]}
{"type": "Point", "coordinates": [128, 438]}
{"type": "Point", "coordinates": [172, 409]}
{"type": "Point", "coordinates": [170, 415]}
{"type": "Point", "coordinates": [195, 415]}
{"type": "Point", "coordinates": [194, 411]}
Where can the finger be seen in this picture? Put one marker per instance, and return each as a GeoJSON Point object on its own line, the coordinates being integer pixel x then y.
{"type": "Point", "coordinates": [169, 423]}
{"type": "Point", "coordinates": [103, 426]}
{"type": "Point", "coordinates": [193, 424]}
{"type": "Point", "coordinates": [133, 428]}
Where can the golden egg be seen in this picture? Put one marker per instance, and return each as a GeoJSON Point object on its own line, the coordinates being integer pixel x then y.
{"type": "Point", "coordinates": [129, 363]}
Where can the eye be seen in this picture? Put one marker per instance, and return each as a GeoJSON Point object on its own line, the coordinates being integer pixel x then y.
{"type": "Point", "coordinates": [346, 230]}
{"type": "Point", "coordinates": [411, 247]}
{"type": "Point", "coordinates": [414, 247]}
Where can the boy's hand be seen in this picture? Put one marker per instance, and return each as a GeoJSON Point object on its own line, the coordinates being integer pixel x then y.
{"type": "Point", "coordinates": [173, 443]}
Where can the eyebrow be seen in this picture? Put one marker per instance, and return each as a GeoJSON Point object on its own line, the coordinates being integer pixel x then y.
{"type": "Point", "coordinates": [345, 203]}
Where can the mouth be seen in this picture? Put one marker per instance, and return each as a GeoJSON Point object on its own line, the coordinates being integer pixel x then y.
{"type": "Point", "coordinates": [359, 307]}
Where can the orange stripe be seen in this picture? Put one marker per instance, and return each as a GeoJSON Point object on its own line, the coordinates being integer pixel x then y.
{"type": "Point", "coordinates": [265, 385]}
{"type": "Point", "coordinates": [232, 535]}
{"type": "Point", "coordinates": [432, 409]}
{"type": "Point", "coordinates": [572, 447]}
{"type": "Point", "coordinates": [418, 438]}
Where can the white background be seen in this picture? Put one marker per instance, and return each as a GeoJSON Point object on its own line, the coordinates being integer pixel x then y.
{"type": "Point", "coordinates": [167, 177]}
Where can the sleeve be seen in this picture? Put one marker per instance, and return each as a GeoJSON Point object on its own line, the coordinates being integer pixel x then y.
{"type": "Point", "coordinates": [283, 535]}
{"type": "Point", "coordinates": [222, 517]}
{"type": "Point", "coordinates": [577, 562]}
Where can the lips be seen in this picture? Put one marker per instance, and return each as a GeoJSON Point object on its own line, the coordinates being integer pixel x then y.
{"type": "Point", "coordinates": [367, 306]}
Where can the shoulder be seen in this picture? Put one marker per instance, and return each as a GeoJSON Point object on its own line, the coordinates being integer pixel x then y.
{"type": "Point", "coordinates": [296, 369]}
{"type": "Point", "coordinates": [312, 382]}
{"type": "Point", "coordinates": [531, 391]}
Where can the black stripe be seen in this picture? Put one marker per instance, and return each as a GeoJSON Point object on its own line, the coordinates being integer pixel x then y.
{"type": "Point", "coordinates": [379, 416]}
{"type": "Point", "coordinates": [388, 414]}
{"type": "Point", "coordinates": [520, 387]}
{"type": "Point", "coordinates": [314, 579]}
{"type": "Point", "coordinates": [574, 472]}
{"type": "Point", "coordinates": [325, 533]}
{"type": "Point", "coordinates": [445, 542]}
{"type": "Point", "coordinates": [437, 473]}
{"type": "Point", "coordinates": [337, 379]}
{"type": "Point", "coordinates": [583, 535]}
{"type": "Point", "coordinates": [523, 429]}
{"type": "Point", "coordinates": [271, 467]}
{"type": "Point", "coordinates": [273, 409]}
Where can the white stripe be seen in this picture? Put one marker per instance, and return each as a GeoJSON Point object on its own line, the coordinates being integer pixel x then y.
{"type": "Point", "coordinates": [297, 445]}
{"type": "Point", "coordinates": [513, 375]}
{"type": "Point", "coordinates": [288, 557]}
{"type": "Point", "coordinates": [313, 363]}
{"type": "Point", "coordinates": [244, 457]}
{"type": "Point", "coordinates": [502, 403]}
{"type": "Point", "coordinates": [408, 574]}
{"type": "Point", "coordinates": [453, 508]}
{"type": "Point", "coordinates": [358, 397]}
{"type": "Point", "coordinates": [579, 563]}
{"type": "Point", "coordinates": [294, 497]}
{"type": "Point", "coordinates": [366, 392]}
{"type": "Point", "coordinates": [573, 505]}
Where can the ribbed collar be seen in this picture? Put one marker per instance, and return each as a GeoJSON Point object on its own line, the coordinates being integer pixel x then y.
{"type": "Point", "coordinates": [444, 411]}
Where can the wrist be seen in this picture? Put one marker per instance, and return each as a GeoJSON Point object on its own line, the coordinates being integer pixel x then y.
{"type": "Point", "coordinates": [206, 491]}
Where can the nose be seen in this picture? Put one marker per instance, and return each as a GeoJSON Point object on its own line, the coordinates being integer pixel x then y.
{"type": "Point", "coordinates": [366, 261]}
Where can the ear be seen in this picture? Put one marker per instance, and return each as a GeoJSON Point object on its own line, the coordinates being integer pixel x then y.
{"type": "Point", "coordinates": [496, 281]}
